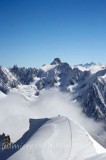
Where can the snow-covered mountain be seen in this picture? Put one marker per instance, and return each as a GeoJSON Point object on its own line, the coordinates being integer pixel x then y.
{"type": "Point", "coordinates": [54, 138]}
{"type": "Point", "coordinates": [86, 65]}
{"type": "Point", "coordinates": [92, 67]}
{"type": "Point", "coordinates": [88, 86]}
{"type": "Point", "coordinates": [59, 137]}
{"type": "Point", "coordinates": [7, 80]}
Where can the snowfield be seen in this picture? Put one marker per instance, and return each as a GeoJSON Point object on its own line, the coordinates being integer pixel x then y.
{"type": "Point", "coordinates": [28, 91]}
{"type": "Point", "coordinates": [98, 157]}
{"type": "Point", "coordinates": [59, 138]}
{"type": "Point", "coordinates": [2, 95]}
{"type": "Point", "coordinates": [93, 68]}
{"type": "Point", "coordinates": [62, 137]}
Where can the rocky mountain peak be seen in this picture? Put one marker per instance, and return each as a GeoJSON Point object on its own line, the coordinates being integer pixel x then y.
{"type": "Point", "coordinates": [56, 61]}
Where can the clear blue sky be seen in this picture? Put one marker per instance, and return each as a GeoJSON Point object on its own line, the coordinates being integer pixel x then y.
{"type": "Point", "coordinates": [34, 32]}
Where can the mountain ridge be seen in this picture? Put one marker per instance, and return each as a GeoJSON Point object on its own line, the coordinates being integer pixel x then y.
{"type": "Point", "coordinates": [86, 87]}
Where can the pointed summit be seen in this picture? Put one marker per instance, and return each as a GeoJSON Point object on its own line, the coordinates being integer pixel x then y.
{"type": "Point", "coordinates": [56, 61]}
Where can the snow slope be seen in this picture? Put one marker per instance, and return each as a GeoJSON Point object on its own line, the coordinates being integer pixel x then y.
{"type": "Point", "coordinates": [93, 68]}
{"type": "Point", "coordinates": [59, 138]}
{"type": "Point", "coordinates": [28, 91]}
{"type": "Point", "coordinates": [6, 71]}
{"type": "Point", "coordinates": [2, 95]}
{"type": "Point", "coordinates": [47, 67]}
{"type": "Point", "coordinates": [98, 157]}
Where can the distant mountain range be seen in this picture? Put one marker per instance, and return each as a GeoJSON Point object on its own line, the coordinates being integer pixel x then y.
{"type": "Point", "coordinates": [86, 83]}
{"type": "Point", "coordinates": [86, 64]}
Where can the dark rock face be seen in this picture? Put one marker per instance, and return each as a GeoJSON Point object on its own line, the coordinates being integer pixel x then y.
{"type": "Point", "coordinates": [35, 124]}
{"type": "Point", "coordinates": [91, 93]}
{"type": "Point", "coordinates": [61, 73]}
{"type": "Point", "coordinates": [24, 75]}
{"type": "Point", "coordinates": [6, 81]}
{"type": "Point", "coordinates": [65, 75]}
{"type": "Point", "coordinates": [92, 103]}
{"type": "Point", "coordinates": [56, 61]}
{"type": "Point", "coordinates": [89, 89]}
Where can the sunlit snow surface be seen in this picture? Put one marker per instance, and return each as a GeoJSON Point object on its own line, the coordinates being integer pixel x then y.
{"type": "Point", "coordinates": [27, 91]}
{"type": "Point", "coordinates": [16, 109]}
{"type": "Point", "coordinates": [98, 157]}
{"type": "Point", "coordinates": [2, 95]}
{"type": "Point", "coordinates": [59, 138]}
{"type": "Point", "coordinates": [93, 68]}
{"type": "Point", "coordinates": [47, 67]}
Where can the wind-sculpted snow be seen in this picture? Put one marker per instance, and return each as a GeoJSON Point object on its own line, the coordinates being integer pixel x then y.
{"type": "Point", "coordinates": [58, 138]}
{"type": "Point", "coordinates": [16, 108]}
{"type": "Point", "coordinates": [15, 111]}
{"type": "Point", "coordinates": [14, 147]}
